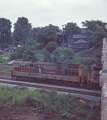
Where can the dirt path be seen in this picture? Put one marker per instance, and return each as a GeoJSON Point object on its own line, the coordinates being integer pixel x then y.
{"type": "Point", "coordinates": [26, 114]}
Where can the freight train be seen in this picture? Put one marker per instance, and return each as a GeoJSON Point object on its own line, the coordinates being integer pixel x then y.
{"type": "Point", "coordinates": [67, 73]}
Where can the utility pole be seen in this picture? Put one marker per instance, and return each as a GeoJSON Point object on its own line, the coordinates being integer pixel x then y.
{"type": "Point", "coordinates": [63, 37]}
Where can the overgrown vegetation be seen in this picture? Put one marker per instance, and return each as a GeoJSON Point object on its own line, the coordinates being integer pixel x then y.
{"type": "Point", "coordinates": [45, 45]}
{"type": "Point", "coordinates": [86, 58]}
{"type": "Point", "coordinates": [5, 57]}
{"type": "Point", "coordinates": [5, 70]}
{"type": "Point", "coordinates": [58, 55]}
{"type": "Point", "coordinates": [43, 101]}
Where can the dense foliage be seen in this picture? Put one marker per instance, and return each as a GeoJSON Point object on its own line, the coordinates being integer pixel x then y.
{"type": "Point", "coordinates": [47, 34]}
{"type": "Point", "coordinates": [97, 29]}
{"type": "Point", "coordinates": [62, 55]}
{"type": "Point", "coordinates": [5, 32]}
{"type": "Point", "coordinates": [44, 44]}
{"type": "Point", "coordinates": [87, 59]}
{"type": "Point", "coordinates": [43, 101]}
{"type": "Point", "coordinates": [22, 29]}
{"type": "Point", "coordinates": [29, 53]}
{"type": "Point", "coordinates": [72, 28]}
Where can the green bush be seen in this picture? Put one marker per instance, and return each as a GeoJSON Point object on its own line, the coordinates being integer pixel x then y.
{"type": "Point", "coordinates": [51, 46]}
{"type": "Point", "coordinates": [60, 55]}
{"type": "Point", "coordinates": [13, 56]}
{"type": "Point", "coordinates": [65, 105]}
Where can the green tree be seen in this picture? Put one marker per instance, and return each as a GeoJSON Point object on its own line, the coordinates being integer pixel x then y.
{"type": "Point", "coordinates": [60, 56]}
{"type": "Point", "coordinates": [94, 25]}
{"type": "Point", "coordinates": [34, 33]}
{"type": "Point", "coordinates": [18, 54]}
{"type": "Point", "coordinates": [69, 53]}
{"type": "Point", "coordinates": [97, 29]}
{"type": "Point", "coordinates": [47, 34]}
{"type": "Point", "coordinates": [29, 53]}
{"type": "Point", "coordinates": [51, 46]}
{"type": "Point", "coordinates": [22, 29]}
{"type": "Point", "coordinates": [71, 28]}
{"type": "Point", "coordinates": [5, 32]}
{"type": "Point", "coordinates": [47, 56]}
{"type": "Point", "coordinates": [55, 57]}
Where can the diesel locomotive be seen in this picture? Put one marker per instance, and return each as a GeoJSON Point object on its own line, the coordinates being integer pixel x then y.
{"type": "Point", "coordinates": [71, 73]}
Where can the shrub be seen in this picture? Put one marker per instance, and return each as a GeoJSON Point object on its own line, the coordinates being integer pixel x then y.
{"type": "Point", "coordinates": [47, 56]}
{"type": "Point", "coordinates": [51, 46]}
{"type": "Point", "coordinates": [43, 101]}
{"type": "Point", "coordinates": [13, 56]}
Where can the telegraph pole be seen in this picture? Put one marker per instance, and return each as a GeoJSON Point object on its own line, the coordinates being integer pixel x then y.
{"type": "Point", "coordinates": [63, 37]}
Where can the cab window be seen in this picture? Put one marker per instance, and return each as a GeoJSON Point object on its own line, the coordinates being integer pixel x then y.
{"type": "Point", "coordinates": [21, 67]}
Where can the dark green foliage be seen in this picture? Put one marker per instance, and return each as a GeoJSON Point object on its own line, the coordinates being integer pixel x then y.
{"type": "Point", "coordinates": [61, 55]}
{"type": "Point", "coordinates": [69, 53]}
{"type": "Point", "coordinates": [87, 59]}
{"type": "Point", "coordinates": [47, 56]}
{"type": "Point", "coordinates": [97, 37]}
{"type": "Point", "coordinates": [71, 28]}
{"type": "Point", "coordinates": [56, 56]}
{"type": "Point", "coordinates": [97, 29]}
{"type": "Point", "coordinates": [22, 29]}
{"type": "Point", "coordinates": [47, 34]}
{"type": "Point", "coordinates": [51, 46]}
{"type": "Point", "coordinates": [19, 52]}
{"type": "Point", "coordinates": [34, 33]}
{"type": "Point", "coordinates": [93, 25]}
{"type": "Point", "coordinates": [5, 32]}
{"type": "Point", "coordinates": [39, 46]}
{"type": "Point", "coordinates": [13, 56]}
{"type": "Point", "coordinates": [29, 53]}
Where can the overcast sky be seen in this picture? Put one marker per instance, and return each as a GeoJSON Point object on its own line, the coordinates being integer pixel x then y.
{"type": "Point", "coordinates": [41, 13]}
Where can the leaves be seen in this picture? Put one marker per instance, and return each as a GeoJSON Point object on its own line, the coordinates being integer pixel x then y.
{"type": "Point", "coordinates": [47, 34]}
{"type": "Point", "coordinates": [97, 29]}
{"type": "Point", "coordinates": [5, 31]}
{"type": "Point", "coordinates": [22, 29]}
{"type": "Point", "coordinates": [29, 53]}
{"type": "Point", "coordinates": [71, 28]}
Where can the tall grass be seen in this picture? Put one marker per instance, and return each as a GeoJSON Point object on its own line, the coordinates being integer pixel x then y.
{"type": "Point", "coordinates": [43, 101]}
{"type": "Point", "coordinates": [5, 70]}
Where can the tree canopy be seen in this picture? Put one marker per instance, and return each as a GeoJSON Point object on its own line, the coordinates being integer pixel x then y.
{"type": "Point", "coordinates": [22, 29]}
{"type": "Point", "coordinates": [72, 28]}
{"type": "Point", "coordinates": [97, 29]}
{"type": "Point", "coordinates": [47, 34]}
{"type": "Point", "coordinates": [5, 31]}
{"type": "Point", "coordinates": [29, 53]}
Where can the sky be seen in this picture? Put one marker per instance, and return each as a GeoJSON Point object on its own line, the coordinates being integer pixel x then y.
{"type": "Point", "coordinates": [41, 13]}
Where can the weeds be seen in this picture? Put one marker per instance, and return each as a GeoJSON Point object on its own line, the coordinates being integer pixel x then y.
{"type": "Point", "coordinates": [43, 101]}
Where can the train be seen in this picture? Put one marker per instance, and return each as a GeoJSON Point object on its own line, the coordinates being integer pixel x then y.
{"type": "Point", "coordinates": [62, 72]}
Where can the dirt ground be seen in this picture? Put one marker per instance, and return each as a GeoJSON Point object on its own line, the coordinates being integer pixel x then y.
{"type": "Point", "coordinates": [26, 114]}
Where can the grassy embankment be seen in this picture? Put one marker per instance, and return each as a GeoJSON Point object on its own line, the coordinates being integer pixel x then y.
{"type": "Point", "coordinates": [50, 102]}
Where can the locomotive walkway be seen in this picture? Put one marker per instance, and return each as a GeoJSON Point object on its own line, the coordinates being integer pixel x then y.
{"type": "Point", "coordinates": [103, 81]}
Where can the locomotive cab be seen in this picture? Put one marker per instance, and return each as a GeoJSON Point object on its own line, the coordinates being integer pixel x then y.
{"type": "Point", "coordinates": [95, 74]}
{"type": "Point", "coordinates": [82, 77]}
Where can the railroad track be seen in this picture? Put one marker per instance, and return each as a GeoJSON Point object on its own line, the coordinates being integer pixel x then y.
{"type": "Point", "coordinates": [76, 91]}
